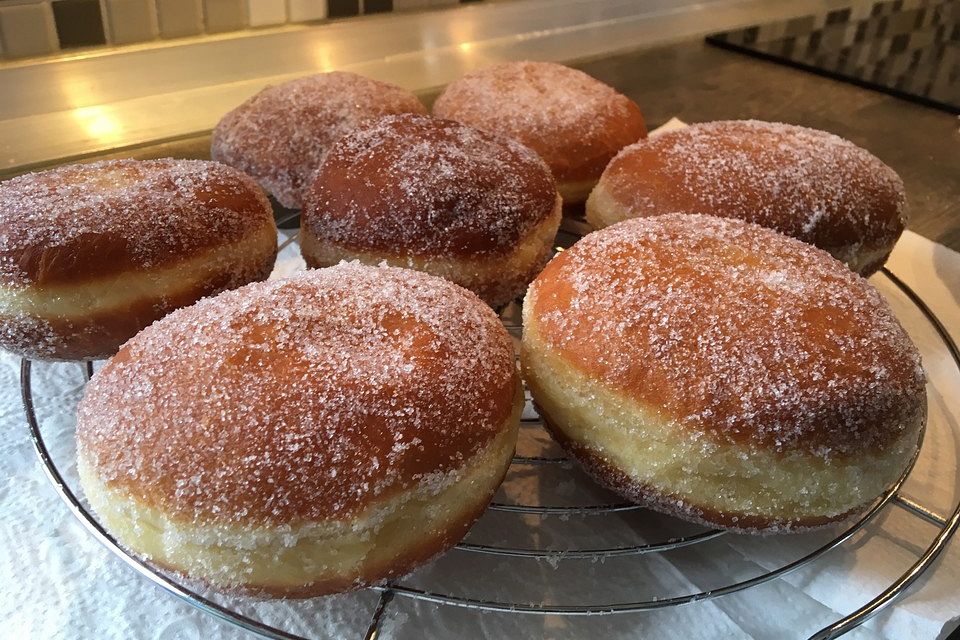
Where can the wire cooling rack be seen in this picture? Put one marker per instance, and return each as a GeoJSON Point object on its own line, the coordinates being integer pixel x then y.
{"type": "Point", "coordinates": [662, 540]}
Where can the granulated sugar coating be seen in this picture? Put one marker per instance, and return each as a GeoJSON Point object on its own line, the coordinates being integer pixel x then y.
{"type": "Point", "coordinates": [808, 184]}
{"type": "Point", "coordinates": [413, 185]}
{"type": "Point", "coordinates": [729, 329]}
{"type": "Point", "coordinates": [79, 222]}
{"type": "Point", "coordinates": [280, 135]}
{"type": "Point", "coordinates": [575, 122]}
{"type": "Point", "coordinates": [302, 399]}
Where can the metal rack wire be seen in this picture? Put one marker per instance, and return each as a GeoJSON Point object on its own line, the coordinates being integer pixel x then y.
{"type": "Point", "coordinates": [947, 526]}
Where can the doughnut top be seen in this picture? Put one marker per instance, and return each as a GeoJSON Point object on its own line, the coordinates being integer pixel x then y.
{"type": "Point", "coordinates": [808, 184]}
{"type": "Point", "coordinates": [302, 399]}
{"type": "Point", "coordinates": [733, 330]}
{"type": "Point", "coordinates": [414, 185]}
{"type": "Point", "coordinates": [575, 122]}
{"type": "Point", "coordinates": [84, 221]}
{"type": "Point", "coordinates": [280, 135]}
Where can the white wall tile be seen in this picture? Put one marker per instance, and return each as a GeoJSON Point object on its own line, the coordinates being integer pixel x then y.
{"type": "Point", "coordinates": [305, 10]}
{"type": "Point", "coordinates": [131, 21]}
{"type": "Point", "coordinates": [410, 5]}
{"type": "Point", "coordinates": [264, 12]}
{"type": "Point", "coordinates": [224, 15]}
{"type": "Point", "coordinates": [28, 29]}
{"type": "Point", "coordinates": [179, 18]}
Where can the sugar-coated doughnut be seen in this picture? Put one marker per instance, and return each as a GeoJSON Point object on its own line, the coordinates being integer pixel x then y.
{"type": "Point", "coordinates": [280, 135]}
{"type": "Point", "coordinates": [575, 122]}
{"type": "Point", "coordinates": [303, 436]}
{"type": "Point", "coordinates": [717, 370]}
{"type": "Point", "coordinates": [808, 184]}
{"type": "Point", "coordinates": [437, 196]}
{"type": "Point", "coordinates": [92, 253]}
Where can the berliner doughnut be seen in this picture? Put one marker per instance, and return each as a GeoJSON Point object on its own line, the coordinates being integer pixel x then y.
{"type": "Point", "coordinates": [808, 184]}
{"type": "Point", "coordinates": [303, 436]}
{"type": "Point", "coordinates": [575, 122]}
{"type": "Point", "coordinates": [437, 196]}
{"type": "Point", "coordinates": [722, 372]}
{"type": "Point", "coordinates": [92, 253]}
{"type": "Point", "coordinates": [280, 135]}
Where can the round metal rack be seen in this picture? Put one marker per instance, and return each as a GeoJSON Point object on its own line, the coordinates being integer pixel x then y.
{"type": "Point", "coordinates": [387, 593]}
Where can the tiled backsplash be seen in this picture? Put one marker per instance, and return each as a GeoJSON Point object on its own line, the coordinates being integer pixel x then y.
{"type": "Point", "coordinates": [43, 27]}
{"type": "Point", "coordinates": [907, 47]}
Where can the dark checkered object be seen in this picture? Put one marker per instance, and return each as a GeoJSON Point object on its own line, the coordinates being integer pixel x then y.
{"type": "Point", "coordinates": [908, 47]}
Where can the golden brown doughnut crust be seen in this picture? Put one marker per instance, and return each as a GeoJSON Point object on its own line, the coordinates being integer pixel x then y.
{"type": "Point", "coordinates": [86, 221]}
{"type": "Point", "coordinates": [280, 135]}
{"type": "Point", "coordinates": [613, 478]}
{"type": "Point", "coordinates": [99, 334]}
{"type": "Point", "coordinates": [575, 122]}
{"type": "Point", "coordinates": [414, 185]}
{"type": "Point", "coordinates": [90, 254]}
{"type": "Point", "coordinates": [397, 567]}
{"type": "Point", "coordinates": [731, 330]}
{"type": "Point", "coordinates": [302, 399]}
{"type": "Point", "coordinates": [806, 183]}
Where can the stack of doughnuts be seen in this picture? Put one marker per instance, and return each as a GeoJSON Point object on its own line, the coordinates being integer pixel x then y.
{"type": "Point", "coordinates": [90, 254]}
{"type": "Point", "coordinates": [808, 184]}
{"type": "Point", "coordinates": [722, 372]}
{"type": "Point", "coordinates": [303, 436]}
{"type": "Point", "coordinates": [280, 135]}
{"type": "Point", "coordinates": [438, 196]}
{"type": "Point", "coordinates": [575, 122]}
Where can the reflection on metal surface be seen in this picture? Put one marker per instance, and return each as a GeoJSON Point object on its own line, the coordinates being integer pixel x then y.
{"type": "Point", "coordinates": [322, 58]}
{"type": "Point", "coordinates": [99, 124]}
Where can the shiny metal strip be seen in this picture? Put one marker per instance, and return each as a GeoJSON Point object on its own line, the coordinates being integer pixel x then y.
{"type": "Point", "coordinates": [592, 554]}
{"type": "Point", "coordinates": [373, 631]}
{"type": "Point", "coordinates": [921, 511]}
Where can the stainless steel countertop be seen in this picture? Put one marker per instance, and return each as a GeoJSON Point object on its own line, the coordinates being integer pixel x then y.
{"type": "Point", "coordinates": [65, 108]}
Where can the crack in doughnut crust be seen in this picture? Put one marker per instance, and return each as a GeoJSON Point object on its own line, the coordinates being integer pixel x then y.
{"type": "Point", "coordinates": [305, 434]}
{"type": "Point", "coordinates": [92, 253]}
{"type": "Point", "coordinates": [280, 135]}
{"type": "Point", "coordinates": [805, 183]}
{"type": "Point", "coordinates": [725, 369]}
{"type": "Point", "coordinates": [575, 122]}
{"type": "Point", "coordinates": [435, 195]}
